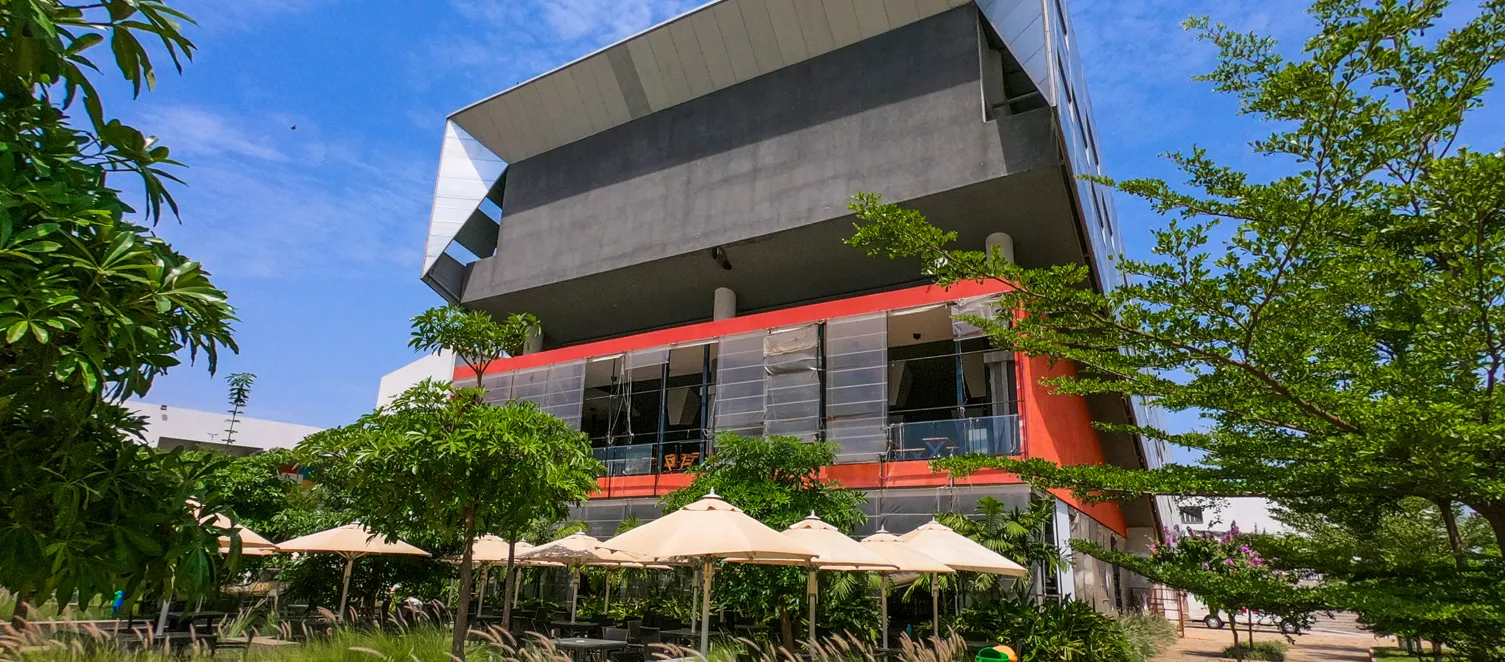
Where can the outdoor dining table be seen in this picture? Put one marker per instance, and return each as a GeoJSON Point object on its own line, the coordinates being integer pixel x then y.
{"type": "Point", "coordinates": [204, 620]}
{"type": "Point", "coordinates": [574, 628]}
{"type": "Point", "coordinates": [584, 648]}
{"type": "Point", "coordinates": [679, 635]}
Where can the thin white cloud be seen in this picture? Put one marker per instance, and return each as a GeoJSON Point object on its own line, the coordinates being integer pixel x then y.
{"type": "Point", "coordinates": [1138, 59]}
{"type": "Point", "coordinates": [303, 205]}
{"type": "Point", "coordinates": [195, 131]}
{"type": "Point", "coordinates": [504, 42]}
{"type": "Point", "coordinates": [218, 15]}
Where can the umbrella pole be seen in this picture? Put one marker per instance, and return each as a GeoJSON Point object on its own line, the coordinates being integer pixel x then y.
{"type": "Point", "coordinates": [812, 591]}
{"type": "Point", "coordinates": [695, 578]}
{"type": "Point", "coordinates": [345, 591]}
{"type": "Point", "coordinates": [517, 589]}
{"type": "Point", "coordinates": [705, 611]}
{"type": "Point", "coordinates": [606, 608]}
{"type": "Point", "coordinates": [935, 607]}
{"type": "Point", "coordinates": [481, 599]}
{"type": "Point", "coordinates": [883, 608]}
{"type": "Point", "coordinates": [574, 592]}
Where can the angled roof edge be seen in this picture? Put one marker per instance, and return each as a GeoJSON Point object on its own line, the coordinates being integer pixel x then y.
{"type": "Point", "coordinates": [706, 49]}
{"type": "Point", "coordinates": [467, 170]}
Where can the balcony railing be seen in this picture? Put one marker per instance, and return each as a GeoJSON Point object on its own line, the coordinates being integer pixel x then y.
{"type": "Point", "coordinates": [927, 440]}
{"type": "Point", "coordinates": [649, 458]}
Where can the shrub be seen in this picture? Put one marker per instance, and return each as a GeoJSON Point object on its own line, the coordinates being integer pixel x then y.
{"type": "Point", "coordinates": [1050, 632]}
{"type": "Point", "coordinates": [1273, 651]}
{"type": "Point", "coordinates": [1147, 634]}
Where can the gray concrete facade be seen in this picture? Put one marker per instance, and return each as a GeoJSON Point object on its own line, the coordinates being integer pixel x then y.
{"type": "Point", "coordinates": [902, 113]}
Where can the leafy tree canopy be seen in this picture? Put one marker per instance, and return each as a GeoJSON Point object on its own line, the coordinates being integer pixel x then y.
{"type": "Point", "coordinates": [1343, 336]}
{"type": "Point", "coordinates": [473, 335]}
{"type": "Point", "coordinates": [1393, 565]}
{"type": "Point", "coordinates": [93, 307]}
{"type": "Point", "coordinates": [444, 461]}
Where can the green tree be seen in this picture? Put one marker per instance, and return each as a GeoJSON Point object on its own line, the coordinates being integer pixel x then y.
{"type": "Point", "coordinates": [444, 460]}
{"type": "Point", "coordinates": [1337, 326]}
{"type": "Point", "coordinates": [1342, 338]}
{"type": "Point", "coordinates": [240, 394]}
{"type": "Point", "coordinates": [1226, 573]}
{"type": "Point", "coordinates": [1017, 533]}
{"type": "Point", "coordinates": [776, 480]}
{"type": "Point", "coordinates": [473, 335]}
{"type": "Point", "coordinates": [1393, 566]}
{"type": "Point", "coordinates": [480, 339]}
{"type": "Point", "coordinates": [93, 307]}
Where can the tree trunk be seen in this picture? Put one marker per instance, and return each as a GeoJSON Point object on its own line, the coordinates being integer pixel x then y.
{"type": "Point", "coordinates": [1455, 540]}
{"type": "Point", "coordinates": [786, 629]}
{"type": "Point", "coordinates": [510, 585]}
{"type": "Point", "coordinates": [1494, 513]}
{"type": "Point", "coordinates": [1233, 625]}
{"type": "Point", "coordinates": [1436, 652]}
{"type": "Point", "coordinates": [22, 611]}
{"type": "Point", "coordinates": [1251, 628]}
{"type": "Point", "coordinates": [462, 610]}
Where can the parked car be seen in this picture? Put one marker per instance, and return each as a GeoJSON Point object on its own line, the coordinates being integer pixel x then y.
{"type": "Point", "coordinates": [1197, 611]}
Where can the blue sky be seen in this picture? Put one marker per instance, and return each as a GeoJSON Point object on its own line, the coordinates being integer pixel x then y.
{"type": "Point", "coordinates": [317, 232]}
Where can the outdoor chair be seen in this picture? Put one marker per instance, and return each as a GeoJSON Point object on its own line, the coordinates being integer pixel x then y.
{"type": "Point", "coordinates": [640, 644]}
{"type": "Point", "coordinates": [614, 634]}
{"type": "Point", "coordinates": [236, 643]}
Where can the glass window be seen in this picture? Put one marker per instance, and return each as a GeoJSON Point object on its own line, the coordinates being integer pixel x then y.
{"type": "Point", "coordinates": [949, 390]}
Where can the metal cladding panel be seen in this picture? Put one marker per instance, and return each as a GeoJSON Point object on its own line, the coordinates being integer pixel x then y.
{"type": "Point", "coordinates": [466, 172]}
{"type": "Point", "coordinates": [557, 389]}
{"type": "Point", "coordinates": [565, 392]}
{"type": "Point", "coordinates": [791, 361]}
{"type": "Point", "coordinates": [857, 386]}
{"type": "Point", "coordinates": [739, 384]}
{"type": "Point", "coordinates": [708, 49]}
{"type": "Point", "coordinates": [1020, 23]}
{"type": "Point", "coordinates": [985, 306]}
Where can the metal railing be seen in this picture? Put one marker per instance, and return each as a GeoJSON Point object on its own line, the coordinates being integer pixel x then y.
{"type": "Point", "coordinates": [649, 458]}
{"type": "Point", "coordinates": [927, 440]}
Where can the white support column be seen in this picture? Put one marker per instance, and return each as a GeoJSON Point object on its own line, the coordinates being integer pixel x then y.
{"type": "Point", "coordinates": [1002, 243]}
{"type": "Point", "coordinates": [533, 343]}
{"type": "Point", "coordinates": [725, 304]}
{"type": "Point", "coordinates": [1066, 578]}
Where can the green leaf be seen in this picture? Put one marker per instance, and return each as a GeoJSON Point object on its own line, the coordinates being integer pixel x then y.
{"type": "Point", "coordinates": [16, 331]}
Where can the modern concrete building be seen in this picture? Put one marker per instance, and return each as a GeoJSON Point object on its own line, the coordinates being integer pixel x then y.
{"type": "Point", "coordinates": [175, 427]}
{"type": "Point", "coordinates": [439, 366]}
{"type": "Point", "coordinates": [673, 207]}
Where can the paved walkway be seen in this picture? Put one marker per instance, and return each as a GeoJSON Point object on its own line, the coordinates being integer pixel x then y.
{"type": "Point", "coordinates": [1323, 645]}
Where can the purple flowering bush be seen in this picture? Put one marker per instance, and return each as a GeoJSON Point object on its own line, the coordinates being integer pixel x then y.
{"type": "Point", "coordinates": [1223, 570]}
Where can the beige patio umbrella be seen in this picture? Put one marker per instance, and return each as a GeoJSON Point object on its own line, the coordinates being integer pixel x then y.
{"type": "Point", "coordinates": [707, 530]}
{"type": "Point", "coordinates": [351, 541]}
{"type": "Point", "coordinates": [961, 553]}
{"type": "Point", "coordinates": [833, 551]}
{"type": "Point", "coordinates": [485, 552]}
{"type": "Point", "coordinates": [251, 544]}
{"type": "Point", "coordinates": [577, 551]}
{"type": "Point", "coordinates": [906, 559]}
{"type": "Point", "coordinates": [249, 540]}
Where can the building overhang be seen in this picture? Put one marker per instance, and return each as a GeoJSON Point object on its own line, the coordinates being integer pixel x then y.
{"type": "Point", "coordinates": [710, 48]}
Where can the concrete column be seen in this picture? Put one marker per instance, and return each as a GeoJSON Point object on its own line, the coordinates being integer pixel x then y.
{"type": "Point", "coordinates": [533, 343]}
{"type": "Point", "coordinates": [1003, 243]}
{"type": "Point", "coordinates": [725, 305]}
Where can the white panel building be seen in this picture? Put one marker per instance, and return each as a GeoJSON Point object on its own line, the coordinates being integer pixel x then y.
{"type": "Point", "coordinates": [170, 427]}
